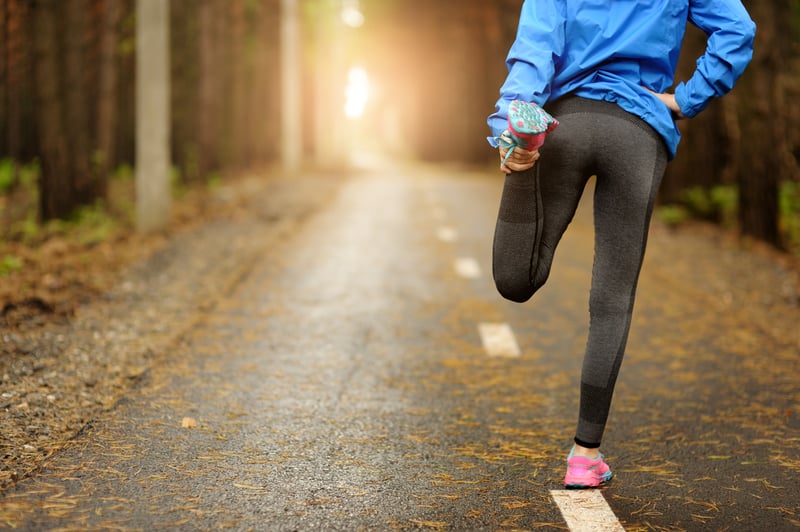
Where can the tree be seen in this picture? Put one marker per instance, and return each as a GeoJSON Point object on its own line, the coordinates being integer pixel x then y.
{"type": "Point", "coordinates": [704, 156]}
{"type": "Point", "coordinates": [745, 140]}
{"type": "Point", "coordinates": [762, 123]}
{"type": "Point", "coordinates": [152, 115]}
{"type": "Point", "coordinates": [108, 97]}
{"type": "Point", "coordinates": [56, 191]}
{"type": "Point", "coordinates": [211, 79]}
{"type": "Point", "coordinates": [75, 102]}
{"type": "Point", "coordinates": [290, 75]}
{"type": "Point", "coordinates": [74, 121]}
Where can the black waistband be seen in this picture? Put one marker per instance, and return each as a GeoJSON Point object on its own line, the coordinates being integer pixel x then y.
{"type": "Point", "coordinates": [571, 104]}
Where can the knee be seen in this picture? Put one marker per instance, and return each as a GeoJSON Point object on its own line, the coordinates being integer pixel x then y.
{"type": "Point", "coordinates": [515, 292]}
{"type": "Point", "coordinates": [516, 287]}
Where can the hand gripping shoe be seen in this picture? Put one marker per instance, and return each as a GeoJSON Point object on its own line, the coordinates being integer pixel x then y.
{"type": "Point", "coordinates": [528, 125]}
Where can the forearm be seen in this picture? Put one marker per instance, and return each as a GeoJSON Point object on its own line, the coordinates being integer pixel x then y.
{"type": "Point", "coordinates": [729, 50]}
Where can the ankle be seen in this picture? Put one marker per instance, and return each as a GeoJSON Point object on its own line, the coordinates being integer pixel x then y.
{"type": "Point", "coordinates": [592, 453]}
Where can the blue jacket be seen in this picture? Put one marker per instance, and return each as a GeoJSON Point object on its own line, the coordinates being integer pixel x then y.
{"type": "Point", "coordinates": [614, 50]}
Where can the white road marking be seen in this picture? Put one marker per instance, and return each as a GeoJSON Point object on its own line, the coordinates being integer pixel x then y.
{"type": "Point", "coordinates": [447, 234]}
{"type": "Point", "coordinates": [467, 267]}
{"type": "Point", "coordinates": [586, 511]}
{"type": "Point", "coordinates": [498, 340]}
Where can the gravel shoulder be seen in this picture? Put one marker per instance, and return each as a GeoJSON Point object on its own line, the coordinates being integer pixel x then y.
{"type": "Point", "coordinates": [68, 356]}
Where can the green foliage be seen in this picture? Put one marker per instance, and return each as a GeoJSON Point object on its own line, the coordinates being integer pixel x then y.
{"type": "Point", "coordinates": [176, 182]}
{"type": "Point", "coordinates": [123, 173]}
{"type": "Point", "coordinates": [721, 204]}
{"type": "Point", "coordinates": [26, 229]}
{"type": "Point", "coordinates": [93, 223]}
{"type": "Point", "coordinates": [29, 175]}
{"type": "Point", "coordinates": [789, 198]}
{"type": "Point", "coordinates": [29, 227]}
{"type": "Point", "coordinates": [7, 168]}
{"type": "Point", "coordinates": [673, 215]}
{"type": "Point", "coordinates": [10, 264]}
{"type": "Point", "coordinates": [21, 204]}
{"type": "Point", "coordinates": [191, 161]}
{"type": "Point", "coordinates": [90, 224]}
{"type": "Point", "coordinates": [718, 204]}
{"type": "Point", "coordinates": [126, 45]}
{"type": "Point", "coordinates": [698, 201]}
{"type": "Point", "coordinates": [789, 209]}
{"type": "Point", "coordinates": [12, 174]}
{"type": "Point", "coordinates": [214, 180]}
{"type": "Point", "coordinates": [725, 199]}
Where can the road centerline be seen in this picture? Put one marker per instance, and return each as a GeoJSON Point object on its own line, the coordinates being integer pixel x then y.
{"type": "Point", "coordinates": [586, 511]}
{"type": "Point", "coordinates": [447, 234]}
{"type": "Point", "coordinates": [498, 340]}
{"type": "Point", "coordinates": [467, 267]}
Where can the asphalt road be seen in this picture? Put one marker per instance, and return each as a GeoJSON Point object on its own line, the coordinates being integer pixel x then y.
{"type": "Point", "coordinates": [344, 384]}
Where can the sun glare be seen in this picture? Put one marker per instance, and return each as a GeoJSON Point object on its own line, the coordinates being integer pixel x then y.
{"type": "Point", "coordinates": [356, 93]}
{"type": "Point", "coordinates": [351, 14]}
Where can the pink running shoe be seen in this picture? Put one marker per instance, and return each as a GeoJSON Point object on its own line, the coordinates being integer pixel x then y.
{"type": "Point", "coordinates": [585, 473]}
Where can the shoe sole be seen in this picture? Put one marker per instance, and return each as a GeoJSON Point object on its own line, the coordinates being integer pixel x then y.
{"type": "Point", "coordinates": [585, 487]}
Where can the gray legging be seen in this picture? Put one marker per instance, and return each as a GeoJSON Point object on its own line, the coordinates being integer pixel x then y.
{"type": "Point", "coordinates": [628, 157]}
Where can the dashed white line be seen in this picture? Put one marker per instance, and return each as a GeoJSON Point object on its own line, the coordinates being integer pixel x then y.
{"type": "Point", "coordinates": [467, 267]}
{"type": "Point", "coordinates": [586, 511]}
{"type": "Point", "coordinates": [498, 340]}
{"type": "Point", "coordinates": [447, 234]}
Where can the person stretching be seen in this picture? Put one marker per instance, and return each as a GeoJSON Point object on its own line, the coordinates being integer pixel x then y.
{"type": "Point", "coordinates": [602, 69]}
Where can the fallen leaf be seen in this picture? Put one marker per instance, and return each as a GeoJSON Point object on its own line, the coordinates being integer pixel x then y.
{"type": "Point", "coordinates": [430, 524]}
{"type": "Point", "coordinates": [249, 487]}
{"type": "Point", "coordinates": [188, 423]}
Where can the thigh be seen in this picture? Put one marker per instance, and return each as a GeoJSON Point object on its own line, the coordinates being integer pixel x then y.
{"type": "Point", "coordinates": [631, 162]}
{"type": "Point", "coordinates": [564, 169]}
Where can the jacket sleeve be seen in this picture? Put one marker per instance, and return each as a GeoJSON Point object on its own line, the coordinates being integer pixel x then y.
{"type": "Point", "coordinates": [532, 58]}
{"type": "Point", "coordinates": [731, 33]}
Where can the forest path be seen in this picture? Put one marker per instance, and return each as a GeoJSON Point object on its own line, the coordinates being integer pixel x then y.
{"type": "Point", "coordinates": [344, 379]}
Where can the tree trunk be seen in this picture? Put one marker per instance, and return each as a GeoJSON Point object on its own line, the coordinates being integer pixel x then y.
{"type": "Point", "coordinates": [125, 131]}
{"type": "Point", "coordinates": [238, 65]}
{"type": "Point", "coordinates": [107, 100]}
{"type": "Point", "coordinates": [4, 100]}
{"type": "Point", "coordinates": [329, 83]}
{"type": "Point", "coordinates": [291, 140]}
{"type": "Point", "coordinates": [209, 77]}
{"type": "Point", "coordinates": [76, 113]}
{"type": "Point", "coordinates": [185, 75]}
{"type": "Point", "coordinates": [703, 153]}
{"type": "Point", "coordinates": [761, 122]}
{"type": "Point", "coordinates": [56, 192]}
{"type": "Point", "coordinates": [19, 57]}
{"type": "Point", "coordinates": [265, 94]}
{"type": "Point", "coordinates": [152, 115]}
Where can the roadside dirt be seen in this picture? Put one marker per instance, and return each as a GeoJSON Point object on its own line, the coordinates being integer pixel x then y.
{"type": "Point", "coordinates": [81, 324]}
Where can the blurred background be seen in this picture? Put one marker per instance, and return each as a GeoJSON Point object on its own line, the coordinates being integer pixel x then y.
{"type": "Point", "coordinates": [317, 84]}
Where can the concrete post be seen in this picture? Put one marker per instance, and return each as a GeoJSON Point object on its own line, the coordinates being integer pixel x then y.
{"type": "Point", "coordinates": [291, 138]}
{"type": "Point", "coordinates": [152, 115]}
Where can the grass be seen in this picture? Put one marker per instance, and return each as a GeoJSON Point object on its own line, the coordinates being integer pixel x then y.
{"type": "Point", "coordinates": [720, 205]}
{"type": "Point", "coordinates": [9, 264]}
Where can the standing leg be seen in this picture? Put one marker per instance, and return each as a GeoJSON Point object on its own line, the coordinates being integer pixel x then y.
{"type": "Point", "coordinates": [631, 161]}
